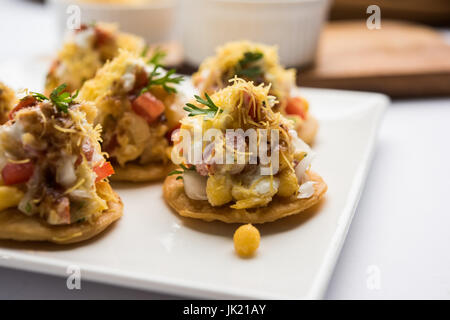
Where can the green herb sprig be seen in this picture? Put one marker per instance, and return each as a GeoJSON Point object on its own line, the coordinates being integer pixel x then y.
{"type": "Point", "coordinates": [210, 110]}
{"type": "Point", "coordinates": [60, 98]}
{"type": "Point", "coordinates": [244, 66]}
{"type": "Point", "coordinates": [157, 57]}
{"type": "Point", "coordinates": [155, 79]}
{"type": "Point", "coordinates": [144, 51]}
{"type": "Point", "coordinates": [181, 172]}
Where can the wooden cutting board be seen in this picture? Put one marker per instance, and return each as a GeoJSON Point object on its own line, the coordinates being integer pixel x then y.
{"type": "Point", "coordinates": [400, 59]}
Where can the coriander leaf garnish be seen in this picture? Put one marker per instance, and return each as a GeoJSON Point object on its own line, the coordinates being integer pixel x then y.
{"type": "Point", "coordinates": [144, 51]}
{"type": "Point", "coordinates": [209, 112]}
{"type": "Point", "coordinates": [252, 72]}
{"type": "Point", "coordinates": [28, 207]}
{"type": "Point", "coordinates": [244, 66]}
{"type": "Point", "coordinates": [60, 98]}
{"type": "Point", "coordinates": [164, 81]}
{"type": "Point", "coordinates": [38, 96]}
{"type": "Point", "coordinates": [169, 77]}
{"type": "Point", "coordinates": [157, 57]}
{"type": "Point", "coordinates": [180, 172]}
{"type": "Point", "coordinates": [155, 79]}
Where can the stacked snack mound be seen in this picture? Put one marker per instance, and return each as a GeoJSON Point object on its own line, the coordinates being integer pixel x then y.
{"type": "Point", "coordinates": [233, 181]}
{"type": "Point", "coordinates": [53, 185]}
{"type": "Point", "coordinates": [138, 106]}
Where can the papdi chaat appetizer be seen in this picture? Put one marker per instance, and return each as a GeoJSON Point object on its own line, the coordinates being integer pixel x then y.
{"type": "Point", "coordinates": [7, 100]}
{"type": "Point", "coordinates": [258, 63]}
{"type": "Point", "coordinates": [53, 173]}
{"type": "Point", "coordinates": [253, 167]}
{"type": "Point", "coordinates": [138, 104]}
{"type": "Point", "coordinates": [85, 51]}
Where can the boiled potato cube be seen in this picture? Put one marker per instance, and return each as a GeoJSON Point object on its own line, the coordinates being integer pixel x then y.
{"type": "Point", "coordinates": [218, 189]}
{"type": "Point", "coordinates": [9, 197]}
{"type": "Point", "coordinates": [288, 183]}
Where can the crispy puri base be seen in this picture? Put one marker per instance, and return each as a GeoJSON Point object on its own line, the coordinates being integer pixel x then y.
{"type": "Point", "coordinates": [145, 173]}
{"type": "Point", "coordinates": [14, 225]}
{"type": "Point", "coordinates": [278, 208]}
{"type": "Point", "coordinates": [308, 130]}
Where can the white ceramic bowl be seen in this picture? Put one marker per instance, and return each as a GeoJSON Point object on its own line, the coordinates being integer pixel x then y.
{"type": "Point", "coordinates": [153, 20]}
{"type": "Point", "coordinates": [293, 25]}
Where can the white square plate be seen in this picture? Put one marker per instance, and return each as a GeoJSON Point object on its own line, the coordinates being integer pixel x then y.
{"type": "Point", "coordinates": [153, 248]}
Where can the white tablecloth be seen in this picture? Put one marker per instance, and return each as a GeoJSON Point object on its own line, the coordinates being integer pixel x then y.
{"type": "Point", "coordinates": [398, 245]}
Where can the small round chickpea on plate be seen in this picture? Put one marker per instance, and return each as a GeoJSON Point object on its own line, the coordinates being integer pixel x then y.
{"type": "Point", "coordinates": [246, 240]}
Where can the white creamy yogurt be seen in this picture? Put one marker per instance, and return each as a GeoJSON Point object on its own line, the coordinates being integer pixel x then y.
{"type": "Point", "coordinates": [264, 186]}
{"type": "Point", "coordinates": [129, 78]}
{"type": "Point", "coordinates": [84, 38]}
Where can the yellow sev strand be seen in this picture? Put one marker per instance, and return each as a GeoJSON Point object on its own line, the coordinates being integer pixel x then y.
{"type": "Point", "coordinates": [288, 162]}
{"type": "Point", "coordinates": [19, 161]}
{"type": "Point", "coordinates": [65, 130]}
{"type": "Point", "coordinates": [78, 184]}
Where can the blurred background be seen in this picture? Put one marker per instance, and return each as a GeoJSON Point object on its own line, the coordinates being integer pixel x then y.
{"type": "Point", "coordinates": [400, 47]}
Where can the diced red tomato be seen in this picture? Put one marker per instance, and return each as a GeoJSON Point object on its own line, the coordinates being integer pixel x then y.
{"type": "Point", "coordinates": [26, 102]}
{"type": "Point", "coordinates": [103, 171]}
{"type": "Point", "coordinates": [101, 37]}
{"type": "Point", "coordinates": [15, 173]}
{"type": "Point", "coordinates": [171, 131]}
{"type": "Point", "coordinates": [148, 107]}
{"type": "Point", "coordinates": [54, 66]}
{"type": "Point", "coordinates": [82, 28]}
{"type": "Point", "coordinates": [296, 106]}
{"type": "Point", "coordinates": [248, 101]}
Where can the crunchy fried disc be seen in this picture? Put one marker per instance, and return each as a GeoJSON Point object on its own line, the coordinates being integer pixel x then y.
{"type": "Point", "coordinates": [137, 173]}
{"type": "Point", "coordinates": [14, 225]}
{"type": "Point", "coordinates": [308, 130]}
{"type": "Point", "coordinates": [278, 208]}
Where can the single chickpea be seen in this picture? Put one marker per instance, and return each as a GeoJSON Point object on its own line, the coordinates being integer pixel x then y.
{"type": "Point", "coordinates": [246, 240]}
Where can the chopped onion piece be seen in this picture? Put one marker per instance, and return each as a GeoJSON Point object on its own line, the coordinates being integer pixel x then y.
{"type": "Point", "coordinates": [301, 168]}
{"type": "Point", "coordinates": [195, 185]}
{"type": "Point", "coordinates": [129, 78]}
{"type": "Point", "coordinates": [306, 190]}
